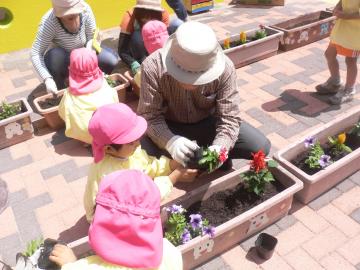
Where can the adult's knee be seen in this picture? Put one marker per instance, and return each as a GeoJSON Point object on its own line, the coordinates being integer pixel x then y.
{"type": "Point", "coordinates": [56, 60]}
{"type": "Point", "coordinates": [108, 59]}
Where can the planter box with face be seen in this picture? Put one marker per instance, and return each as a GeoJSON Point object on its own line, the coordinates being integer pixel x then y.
{"type": "Point", "coordinates": [230, 233]}
{"type": "Point", "coordinates": [318, 183]}
{"type": "Point", "coordinates": [253, 50]}
{"type": "Point", "coordinates": [17, 128]}
{"type": "Point", "coordinates": [305, 29]}
{"type": "Point", "coordinates": [262, 2]}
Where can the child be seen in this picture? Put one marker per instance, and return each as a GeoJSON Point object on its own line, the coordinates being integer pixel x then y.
{"type": "Point", "coordinates": [116, 131]}
{"type": "Point", "coordinates": [154, 34]}
{"type": "Point", "coordinates": [344, 40]}
{"type": "Point", "coordinates": [126, 232]}
{"type": "Point", "coordinates": [87, 91]}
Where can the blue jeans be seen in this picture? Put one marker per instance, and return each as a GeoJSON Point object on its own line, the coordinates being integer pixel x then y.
{"type": "Point", "coordinates": [137, 47]}
{"type": "Point", "coordinates": [57, 61]}
{"type": "Point", "coordinates": [179, 8]}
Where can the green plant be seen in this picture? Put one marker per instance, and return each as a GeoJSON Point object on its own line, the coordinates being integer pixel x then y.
{"type": "Point", "coordinates": [7, 110]}
{"type": "Point", "coordinates": [338, 145]}
{"type": "Point", "coordinates": [316, 158]}
{"type": "Point", "coordinates": [259, 175]}
{"type": "Point", "coordinates": [179, 231]}
{"type": "Point", "coordinates": [111, 82]}
{"type": "Point", "coordinates": [355, 130]}
{"type": "Point", "coordinates": [211, 158]}
{"type": "Point", "coordinates": [32, 246]}
{"type": "Point", "coordinates": [261, 33]}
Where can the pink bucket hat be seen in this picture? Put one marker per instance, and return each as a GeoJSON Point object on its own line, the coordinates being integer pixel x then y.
{"type": "Point", "coordinates": [114, 124]}
{"type": "Point", "coordinates": [126, 229]}
{"type": "Point", "coordinates": [154, 34]}
{"type": "Point", "coordinates": [85, 75]}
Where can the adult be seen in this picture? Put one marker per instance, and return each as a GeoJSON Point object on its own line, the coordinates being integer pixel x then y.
{"type": "Point", "coordinates": [131, 47]}
{"type": "Point", "coordinates": [179, 9]}
{"type": "Point", "coordinates": [69, 25]}
{"type": "Point", "coordinates": [189, 97]}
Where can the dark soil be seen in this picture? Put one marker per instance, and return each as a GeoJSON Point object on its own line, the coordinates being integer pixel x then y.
{"type": "Point", "coordinates": [225, 205]}
{"type": "Point", "coordinates": [351, 140]}
{"type": "Point", "coordinates": [50, 102]}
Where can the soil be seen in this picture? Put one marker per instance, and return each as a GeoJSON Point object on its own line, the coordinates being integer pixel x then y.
{"type": "Point", "coordinates": [351, 140]}
{"type": "Point", "coordinates": [321, 17]}
{"type": "Point", "coordinates": [50, 102]}
{"type": "Point", "coordinates": [225, 205]}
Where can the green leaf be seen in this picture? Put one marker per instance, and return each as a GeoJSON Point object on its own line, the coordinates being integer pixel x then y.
{"type": "Point", "coordinates": [347, 149]}
{"type": "Point", "coordinates": [272, 163]}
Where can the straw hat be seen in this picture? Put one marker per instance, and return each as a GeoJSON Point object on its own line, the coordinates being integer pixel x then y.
{"type": "Point", "coordinates": [67, 7]}
{"type": "Point", "coordinates": [149, 4]}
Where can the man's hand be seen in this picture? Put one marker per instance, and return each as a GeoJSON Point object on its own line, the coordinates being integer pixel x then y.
{"type": "Point", "coordinates": [51, 87]}
{"type": "Point", "coordinates": [222, 152]}
{"type": "Point", "coordinates": [181, 149]}
{"type": "Point", "coordinates": [62, 254]}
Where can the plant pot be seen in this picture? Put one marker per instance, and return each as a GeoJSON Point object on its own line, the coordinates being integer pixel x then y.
{"type": "Point", "coordinates": [265, 245]}
{"type": "Point", "coordinates": [256, 50]}
{"type": "Point", "coordinates": [305, 29]}
{"type": "Point", "coordinates": [121, 88]}
{"type": "Point", "coordinates": [17, 128]}
{"type": "Point", "coordinates": [230, 233]}
{"type": "Point", "coordinates": [318, 183]}
{"type": "Point", "coordinates": [134, 86]}
{"type": "Point", "coordinates": [51, 114]}
{"type": "Point", "coordinates": [262, 2]}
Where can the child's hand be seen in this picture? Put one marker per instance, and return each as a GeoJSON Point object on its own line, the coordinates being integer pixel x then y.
{"type": "Point", "coordinates": [62, 254]}
{"type": "Point", "coordinates": [182, 174]}
{"type": "Point", "coordinates": [174, 164]}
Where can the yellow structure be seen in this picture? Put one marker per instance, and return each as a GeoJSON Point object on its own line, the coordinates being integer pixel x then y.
{"type": "Point", "coordinates": [21, 31]}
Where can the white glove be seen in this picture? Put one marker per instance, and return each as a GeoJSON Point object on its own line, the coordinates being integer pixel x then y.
{"type": "Point", "coordinates": [181, 149]}
{"type": "Point", "coordinates": [223, 154]}
{"type": "Point", "coordinates": [51, 86]}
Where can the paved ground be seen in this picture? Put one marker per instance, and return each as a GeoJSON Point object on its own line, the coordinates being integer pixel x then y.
{"type": "Point", "coordinates": [46, 175]}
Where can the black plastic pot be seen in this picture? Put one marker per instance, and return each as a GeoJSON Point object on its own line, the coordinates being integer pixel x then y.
{"type": "Point", "coordinates": [265, 245]}
{"type": "Point", "coordinates": [194, 162]}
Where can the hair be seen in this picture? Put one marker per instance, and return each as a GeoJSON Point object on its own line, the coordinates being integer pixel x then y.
{"type": "Point", "coordinates": [117, 147]}
{"type": "Point", "coordinates": [140, 13]}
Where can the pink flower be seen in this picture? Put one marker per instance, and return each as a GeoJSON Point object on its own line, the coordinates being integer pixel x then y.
{"type": "Point", "coordinates": [223, 155]}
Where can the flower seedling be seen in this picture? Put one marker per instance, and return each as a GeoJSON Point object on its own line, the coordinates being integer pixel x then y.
{"type": "Point", "coordinates": [338, 146]}
{"type": "Point", "coordinates": [179, 230]}
{"type": "Point", "coordinates": [259, 175]}
{"type": "Point", "coordinates": [208, 159]}
{"type": "Point", "coordinates": [261, 33]}
{"type": "Point", "coordinates": [316, 158]}
{"type": "Point", "coordinates": [111, 82]}
{"type": "Point", "coordinates": [32, 246]}
{"type": "Point", "coordinates": [7, 110]}
{"type": "Point", "coordinates": [355, 130]}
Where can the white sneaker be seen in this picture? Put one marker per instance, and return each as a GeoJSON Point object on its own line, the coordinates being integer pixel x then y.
{"type": "Point", "coordinates": [343, 96]}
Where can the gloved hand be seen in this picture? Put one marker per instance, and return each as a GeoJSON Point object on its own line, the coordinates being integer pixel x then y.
{"type": "Point", "coordinates": [135, 67]}
{"type": "Point", "coordinates": [181, 149]}
{"type": "Point", "coordinates": [89, 44]}
{"type": "Point", "coordinates": [222, 152]}
{"type": "Point", "coordinates": [51, 86]}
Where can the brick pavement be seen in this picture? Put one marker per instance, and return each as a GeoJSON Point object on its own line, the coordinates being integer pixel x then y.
{"type": "Point", "coordinates": [47, 174]}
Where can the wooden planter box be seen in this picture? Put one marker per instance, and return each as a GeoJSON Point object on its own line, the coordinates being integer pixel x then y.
{"type": "Point", "coordinates": [318, 183]}
{"type": "Point", "coordinates": [134, 86]}
{"type": "Point", "coordinates": [256, 50]}
{"type": "Point", "coordinates": [121, 88]}
{"type": "Point", "coordinates": [51, 115]}
{"type": "Point", "coordinates": [305, 29]}
{"type": "Point", "coordinates": [230, 233]}
{"type": "Point", "coordinates": [17, 128]}
{"type": "Point", "coordinates": [262, 2]}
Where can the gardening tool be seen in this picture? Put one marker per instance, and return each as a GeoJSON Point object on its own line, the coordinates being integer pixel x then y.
{"type": "Point", "coordinates": [265, 245]}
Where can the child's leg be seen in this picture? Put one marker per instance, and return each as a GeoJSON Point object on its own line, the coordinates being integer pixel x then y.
{"type": "Point", "coordinates": [351, 72]}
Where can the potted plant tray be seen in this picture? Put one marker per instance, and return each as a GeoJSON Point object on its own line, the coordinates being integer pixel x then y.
{"type": "Point", "coordinates": [119, 82]}
{"type": "Point", "coordinates": [202, 248]}
{"type": "Point", "coordinates": [305, 29]}
{"type": "Point", "coordinates": [253, 50]}
{"type": "Point", "coordinates": [17, 128]}
{"type": "Point", "coordinates": [262, 2]}
{"type": "Point", "coordinates": [321, 181]}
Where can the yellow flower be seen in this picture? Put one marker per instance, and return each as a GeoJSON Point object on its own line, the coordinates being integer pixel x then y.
{"type": "Point", "coordinates": [341, 138]}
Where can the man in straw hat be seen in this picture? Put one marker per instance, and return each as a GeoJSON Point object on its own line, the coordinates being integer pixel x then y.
{"type": "Point", "coordinates": [189, 98]}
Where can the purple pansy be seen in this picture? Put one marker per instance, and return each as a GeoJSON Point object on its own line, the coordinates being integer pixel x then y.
{"type": "Point", "coordinates": [309, 142]}
{"type": "Point", "coordinates": [186, 236]}
{"type": "Point", "coordinates": [175, 209]}
{"type": "Point", "coordinates": [210, 230]}
{"type": "Point", "coordinates": [196, 221]}
{"type": "Point", "coordinates": [324, 161]}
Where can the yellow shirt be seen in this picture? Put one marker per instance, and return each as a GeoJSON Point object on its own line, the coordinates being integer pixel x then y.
{"type": "Point", "coordinates": [346, 32]}
{"type": "Point", "coordinates": [158, 169]}
{"type": "Point", "coordinates": [172, 260]}
{"type": "Point", "coordinates": [76, 111]}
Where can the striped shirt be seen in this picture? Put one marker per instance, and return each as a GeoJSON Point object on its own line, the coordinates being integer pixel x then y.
{"type": "Point", "coordinates": [162, 98]}
{"type": "Point", "coordinates": [52, 34]}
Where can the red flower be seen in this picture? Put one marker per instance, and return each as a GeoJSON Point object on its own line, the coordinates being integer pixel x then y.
{"type": "Point", "coordinates": [258, 163]}
{"type": "Point", "coordinates": [261, 26]}
{"type": "Point", "coordinates": [223, 155]}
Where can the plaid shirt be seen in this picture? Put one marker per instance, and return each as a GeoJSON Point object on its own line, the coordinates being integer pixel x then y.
{"type": "Point", "coordinates": [162, 98]}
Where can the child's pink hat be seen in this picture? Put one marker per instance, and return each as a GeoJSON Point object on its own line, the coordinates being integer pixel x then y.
{"type": "Point", "coordinates": [154, 34]}
{"type": "Point", "coordinates": [126, 229]}
{"type": "Point", "coordinates": [114, 124]}
{"type": "Point", "coordinates": [85, 75]}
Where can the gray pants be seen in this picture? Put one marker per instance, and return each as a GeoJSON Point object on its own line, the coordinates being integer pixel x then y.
{"type": "Point", "coordinates": [250, 139]}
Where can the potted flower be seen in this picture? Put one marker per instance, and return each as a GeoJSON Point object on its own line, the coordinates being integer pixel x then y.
{"type": "Point", "coordinates": [208, 159]}
{"type": "Point", "coordinates": [237, 205]}
{"type": "Point", "coordinates": [251, 46]}
{"type": "Point", "coordinates": [327, 156]}
{"type": "Point", "coordinates": [305, 29]}
{"type": "Point", "coordinates": [15, 123]}
{"type": "Point", "coordinates": [263, 2]}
